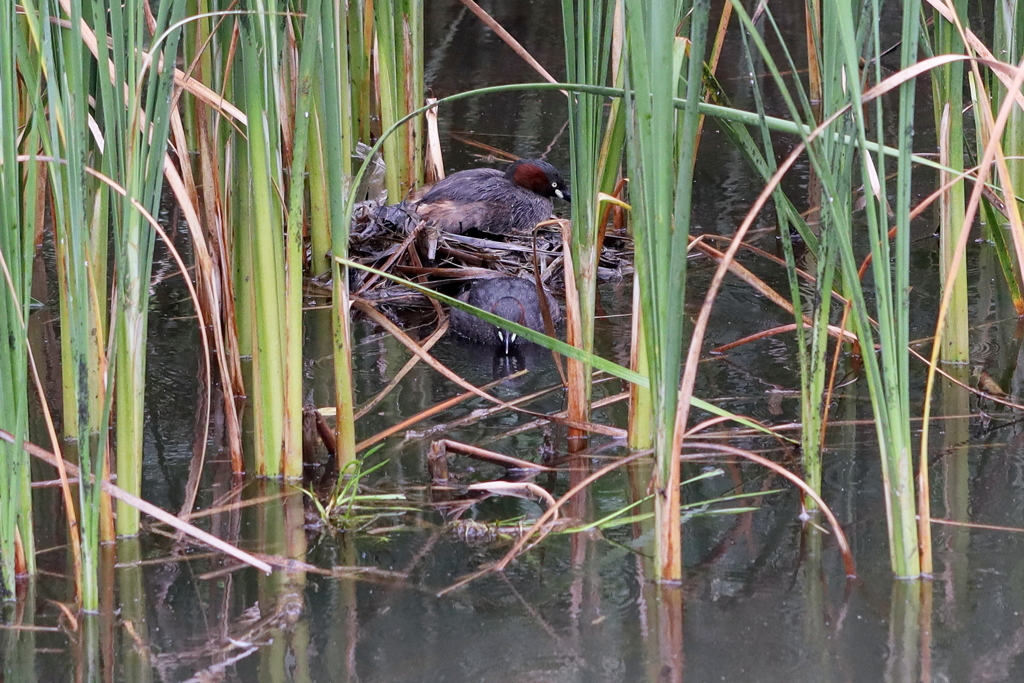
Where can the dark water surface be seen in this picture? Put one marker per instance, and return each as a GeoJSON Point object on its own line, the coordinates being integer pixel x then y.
{"type": "Point", "coordinates": [765, 598]}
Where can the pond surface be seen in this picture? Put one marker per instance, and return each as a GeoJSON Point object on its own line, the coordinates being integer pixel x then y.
{"type": "Point", "coordinates": [765, 598]}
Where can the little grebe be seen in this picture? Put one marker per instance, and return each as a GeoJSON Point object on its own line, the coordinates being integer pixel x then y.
{"type": "Point", "coordinates": [493, 201]}
{"type": "Point", "coordinates": [484, 199]}
{"type": "Point", "coordinates": [511, 298]}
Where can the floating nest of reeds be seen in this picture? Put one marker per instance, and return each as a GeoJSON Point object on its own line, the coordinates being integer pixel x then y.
{"type": "Point", "coordinates": [399, 247]}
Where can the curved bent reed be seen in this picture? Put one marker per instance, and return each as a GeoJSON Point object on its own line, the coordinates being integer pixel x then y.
{"type": "Point", "coordinates": [992, 156]}
{"type": "Point", "coordinates": [550, 343]}
{"type": "Point", "coordinates": [700, 327]}
{"type": "Point", "coordinates": [844, 546]}
{"type": "Point", "coordinates": [435, 409]}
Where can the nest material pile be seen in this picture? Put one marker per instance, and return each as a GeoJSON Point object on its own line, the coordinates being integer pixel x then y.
{"type": "Point", "coordinates": [394, 241]}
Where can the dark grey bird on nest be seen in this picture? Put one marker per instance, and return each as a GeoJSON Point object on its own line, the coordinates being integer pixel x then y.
{"type": "Point", "coordinates": [485, 199]}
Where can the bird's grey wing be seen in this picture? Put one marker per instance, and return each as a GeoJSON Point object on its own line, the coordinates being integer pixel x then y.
{"type": "Point", "coordinates": [463, 186]}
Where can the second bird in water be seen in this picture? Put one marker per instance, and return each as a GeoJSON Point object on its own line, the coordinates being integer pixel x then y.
{"type": "Point", "coordinates": [513, 299]}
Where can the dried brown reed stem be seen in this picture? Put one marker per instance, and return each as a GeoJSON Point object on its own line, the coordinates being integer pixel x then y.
{"type": "Point", "coordinates": [576, 383]}
{"type": "Point", "coordinates": [759, 285]}
{"type": "Point", "coordinates": [492, 151]}
{"type": "Point", "coordinates": [434, 160]}
{"type": "Point", "coordinates": [414, 260]}
{"type": "Point", "coordinates": [488, 455]}
{"type": "Point", "coordinates": [836, 331]}
{"type": "Point", "coordinates": [802, 274]}
{"type": "Point", "coordinates": [844, 546]}
{"type": "Point", "coordinates": [213, 280]}
{"type": "Point", "coordinates": [508, 39]}
{"type": "Point", "coordinates": [484, 413]}
{"type": "Point", "coordinates": [519, 489]}
{"type": "Point", "coordinates": [248, 502]}
{"type": "Point", "coordinates": [395, 255]}
{"type": "Point", "coordinates": [533, 424]}
{"type": "Point", "coordinates": [450, 274]}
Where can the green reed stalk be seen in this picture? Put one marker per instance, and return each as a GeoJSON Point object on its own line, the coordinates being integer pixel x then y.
{"type": "Point", "coordinates": [1008, 37]}
{"type": "Point", "coordinates": [136, 664]}
{"type": "Point", "coordinates": [357, 25]}
{"type": "Point", "coordinates": [1007, 44]}
{"type": "Point", "coordinates": [660, 157]}
{"type": "Point", "coordinates": [948, 104]}
{"type": "Point", "coordinates": [588, 28]}
{"type": "Point", "coordinates": [412, 64]}
{"type": "Point", "coordinates": [294, 247]}
{"type": "Point", "coordinates": [319, 192]}
{"type": "Point", "coordinates": [336, 119]}
{"type": "Point", "coordinates": [241, 214]}
{"type": "Point", "coordinates": [811, 406]}
{"type": "Point", "coordinates": [136, 131]}
{"type": "Point", "coordinates": [895, 348]}
{"type": "Point", "coordinates": [810, 353]}
{"type": "Point", "coordinates": [887, 375]}
{"type": "Point", "coordinates": [834, 209]}
{"type": "Point", "coordinates": [834, 201]}
{"type": "Point", "coordinates": [17, 247]}
{"type": "Point", "coordinates": [641, 405]}
{"type": "Point", "coordinates": [399, 40]}
{"type": "Point", "coordinates": [995, 232]}
{"type": "Point", "coordinates": [66, 143]}
{"type": "Point", "coordinates": [388, 97]}
{"type": "Point", "coordinates": [262, 51]}
{"type": "Point", "coordinates": [343, 82]}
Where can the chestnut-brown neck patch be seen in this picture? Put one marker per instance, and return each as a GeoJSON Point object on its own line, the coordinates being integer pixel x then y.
{"type": "Point", "coordinates": [531, 177]}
